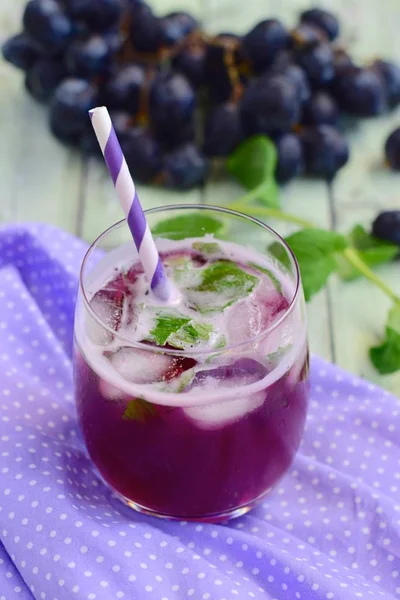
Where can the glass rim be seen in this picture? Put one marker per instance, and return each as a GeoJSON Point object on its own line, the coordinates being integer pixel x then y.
{"type": "Point", "coordinates": [176, 352]}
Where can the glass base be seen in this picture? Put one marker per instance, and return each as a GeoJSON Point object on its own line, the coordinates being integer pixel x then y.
{"type": "Point", "coordinates": [233, 513]}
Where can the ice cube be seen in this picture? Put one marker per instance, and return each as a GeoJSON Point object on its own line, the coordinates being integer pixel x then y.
{"type": "Point", "coordinates": [243, 371]}
{"type": "Point", "coordinates": [110, 392]}
{"type": "Point", "coordinates": [107, 304]}
{"type": "Point", "coordinates": [243, 321]}
{"type": "Point", "coordinates": [143, 367]}
{"type": "Point", "coordinates": [240, 373]}
{"type": "Point", "coordinates": [217, 415]}
{"type": "Point", "coordinates": [253, 315]}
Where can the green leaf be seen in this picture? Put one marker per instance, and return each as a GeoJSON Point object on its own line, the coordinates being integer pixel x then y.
{"type": "Point", "coordinates": [187, 226]}
{"type": "Point", "coordinates": [166, 324]}
{"type": "Point", "coordinates": [315, 250]}
{"type": "Point", "coordinates": [275, 357]}
{"type": "Point", "coordinates": [226, 282]}
{"type": "Point", "coordinates": [270, 274]}
{"type": "Point", "coordinates": [253, 162]}
{"type": "Point", "coordinates": [206, 247]}
{"type": "Point", "coordinates": [190, 334]}
{"type": "Point", "coordinates": [179, 331]}
{"type": "Point", "coordinates": [278, 251]}
{"type": "Point", "coordinates": [139, 410]}
{"type": "Point", "coordinates": [371, 250]}
{"type": "Point", "coordinates": [179, 384]}
{"type": "Point", "coordinates": [386, 357]}
{"type": "Point", "coordinates": [178, 261]}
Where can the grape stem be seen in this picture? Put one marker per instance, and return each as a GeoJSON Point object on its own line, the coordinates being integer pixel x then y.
{"type": "Point", "coordinates": [350, 254]}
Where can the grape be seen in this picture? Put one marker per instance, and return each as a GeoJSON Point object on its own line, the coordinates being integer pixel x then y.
{"type": "Point", "coordinates": [387, 226]}
{"type": "Point", "coordinates": [123, 89]}
{"type": "Point", "coordinates": [320, 110]}
{"type": "Point", "coordinates": [115, 40]}
{"type": "Point", "coordinates": [322, 19]}
{"type": "Point", "coordinates": [175, 27]}
{"type": "Point", "coordinates": [264, 41]}
{"type": "Point", "coordinates": [145, 31]}
{"type": "Point", "coordinates": [341, 61]}
{"type": "Point", "coordinates": [122, 123]}
{"type": "Point", "coordinates": [392, 149]}
{"type": "Point", "coordinates": [360, 92]}
{"type": "Point", "coordinates": [325, 151]}
{"type": "Point", "coordinates": [290, 157]}
{"type": "Point", "coordinates": [270, 104]}
{"type": "Point", "coordinates": [282, 61]}
{"type": "Point", "coordinates": [69, 107]}
{"type": "Point", "coordinates": [99, 15]}
{"type": "Point", "coordinates": [318, 64]}
{"type": "Point", "coordinates": [295, 75]}
{"type": "Point", "coordinates": [89, 144]}
{"type": "Point", "coordinates": [216, 73]}
{"type": "Point", "coordinates": [171, 106]}
{"type": "Point", "coordinates": [223, 130]}
{"type": "Point", "coordinates": [142, 153]}
{"type": "Point", "coordinates": [21, 51]}
{"type": "Point", "coordinates": [389, 73]}
{"type": "Point", "coordinates": [42, 79]}
{"type": "Point", "coordinates": [185, 167]}
{"type": "Point", "coordinates": [306, 37]}
{"type": "Point", "coordinates": [48, 25]}
{"type": "Point", "coordinates": [190, 61]}
{"type": "Point", "coordinates": [89, 57]}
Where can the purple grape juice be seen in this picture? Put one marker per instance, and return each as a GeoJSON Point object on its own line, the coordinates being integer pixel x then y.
{"type": "Point", "coordinates": [193, 410]}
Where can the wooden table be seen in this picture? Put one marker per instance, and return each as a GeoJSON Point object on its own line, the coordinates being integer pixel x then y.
{"type": "Point", "coordinates": [41, 180]}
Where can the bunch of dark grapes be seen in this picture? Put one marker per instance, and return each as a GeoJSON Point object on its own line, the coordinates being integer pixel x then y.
{"type": "Point", "coordinates": [180, 98]}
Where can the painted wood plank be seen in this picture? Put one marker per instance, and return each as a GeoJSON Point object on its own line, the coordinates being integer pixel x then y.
{"type": "Point", "coordinates": [39, 178]}
{"type": "Point", "coordinates": [363, 189]}
{"type": "Point", "coordinates": [100, 207]}
{"type": "Point", "coordinates": [307, 199]}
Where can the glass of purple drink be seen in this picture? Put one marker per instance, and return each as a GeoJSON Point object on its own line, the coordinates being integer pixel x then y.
{"type": "Point", "coordinates": [193, 410]}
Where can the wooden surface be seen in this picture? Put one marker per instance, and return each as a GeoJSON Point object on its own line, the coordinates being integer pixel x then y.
{"type": "Point", "coordinates": [41, 180]}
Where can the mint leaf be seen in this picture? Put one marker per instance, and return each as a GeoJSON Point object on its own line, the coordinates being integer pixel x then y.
{"type": "Point", "coordinates": [270, 274]}
{"type": "Point", "coordinates": [221, 342]}
{"type": "Point", "coordinates": [166, 325]}
{"type": "Point", "coordinates": [179, 331]}
{"type": "Point", "coordinates": [206, 247]}
{"type": "Point", "coordinates": [190, 334]}
{"type": "Point", "coordinates": [185, 226]}
{"type": "Point", "coordinates": [178, 261]}
{"type": "Point", "coordinates": [275, 357]}
{"type": "Point", "coordinates": [253, 164]}
{"type": "Point", "coordinates": [139, 410]}
{"type": "Point", "coordinates": [386, 357]}
{"type": "Point", "coordinates": [226, 282]}
{"type": "Point", "coordinates": [179, 384]}
{"type": "Point", "coordinates": [372, 251]}
{"type": "Point", "coordinates": [315, 250]}
{"type": "Point", "coordinates": [278, 251]}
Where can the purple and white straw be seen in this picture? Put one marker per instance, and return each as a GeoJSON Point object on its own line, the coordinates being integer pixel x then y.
{"type": "Point", "coordinates": [128, 197]}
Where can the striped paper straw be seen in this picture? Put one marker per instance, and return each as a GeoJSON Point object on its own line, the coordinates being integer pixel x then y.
{"type": "Point", "coordinates": [128, 197]}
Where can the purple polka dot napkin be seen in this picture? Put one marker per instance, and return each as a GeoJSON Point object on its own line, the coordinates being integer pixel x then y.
{"type": "Point", "coordinates": [329, 530]}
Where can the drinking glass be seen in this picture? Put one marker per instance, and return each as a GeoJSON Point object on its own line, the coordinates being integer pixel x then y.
{"type": "Point", "coordinates": [200, 453]}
